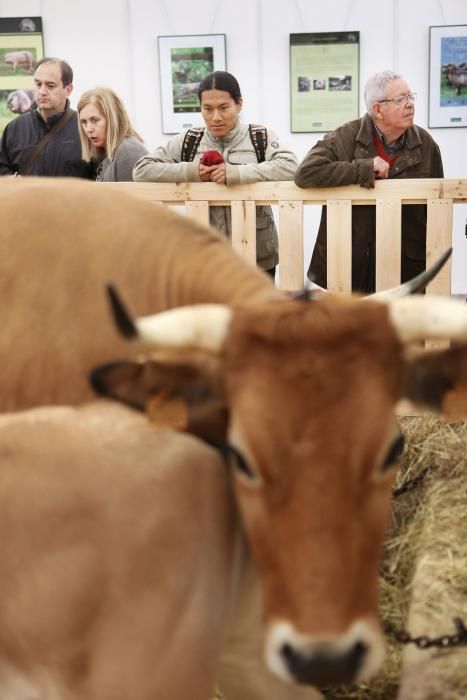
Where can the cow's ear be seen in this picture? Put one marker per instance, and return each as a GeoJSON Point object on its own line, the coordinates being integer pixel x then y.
{"type": "Point", "coordinates": [438, 380]}
{"type": "Point", "coordinates": [181, 396]}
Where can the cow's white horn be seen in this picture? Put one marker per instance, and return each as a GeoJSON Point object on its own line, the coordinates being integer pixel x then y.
{"type": "Point", "coordinates": [414, 285]}
{"type": "Point", "coordinates": [428, 317]}
{"type": "Point", "coordinates": [200, 326]}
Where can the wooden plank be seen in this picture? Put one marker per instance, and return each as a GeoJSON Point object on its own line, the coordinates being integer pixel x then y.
{"type": "Point", "coordinates": [414, 191]}
{"type": "Point", "coordinates": [454, 189]}
{"type": "Point", "coordinates": [388, 243]}
{"type": "Point", "coordinates": [339, 255]}
{"type": "Point", "coordinates": [291, 245]}
{"type": "Point", "coordinates": [244, 230]}
{"type": "Point", "coordinates": [199, 211]}
{"type": "Point", "coordinates": [438, 239]}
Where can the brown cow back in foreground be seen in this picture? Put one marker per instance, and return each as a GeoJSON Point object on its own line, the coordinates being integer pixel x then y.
{"type": "Point", "coordinates": [61, 241]}
{"type": "Point", "coordinates": [117, 542]}
{"type": "Point", "coordinates": [122, 564]}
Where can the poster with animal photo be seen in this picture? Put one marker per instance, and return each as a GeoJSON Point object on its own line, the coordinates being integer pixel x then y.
{"type": "Point", "coordinates": [21, 46]}
{"type": "Point", "coordinates": [184, 61]}
{"type": "Point", "coordinates": [448, 76]}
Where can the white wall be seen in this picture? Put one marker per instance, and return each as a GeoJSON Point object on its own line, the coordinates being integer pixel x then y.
{"type": "Point", "coordinates": [114, 42]}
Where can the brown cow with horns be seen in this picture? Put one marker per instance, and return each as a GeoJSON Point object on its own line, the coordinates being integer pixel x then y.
{"type": "Point", "coordinates": [298, 395]}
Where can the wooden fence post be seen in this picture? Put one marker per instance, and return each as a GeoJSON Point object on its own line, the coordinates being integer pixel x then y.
{"type": "Point", "coordinates": [388, 243]}
{"type": "Point", "coordinates": [339, 255]}
{"type": "Point", "coordinates": [291, 245]}
{"type": "Point", "coordinates": [244, 230]}
{"type": "Point", "coordinates": [199, 211]}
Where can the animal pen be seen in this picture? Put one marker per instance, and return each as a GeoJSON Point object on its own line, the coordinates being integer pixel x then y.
{"type": "Point", "coordinates": [388, 197]}
{"type": "Point", "coordinates": [424, 573]}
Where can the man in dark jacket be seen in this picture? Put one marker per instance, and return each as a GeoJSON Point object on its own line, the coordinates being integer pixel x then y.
{"type": "Point", "coordinates": [19, 152]}
{"type": "Point", "coordinates": [385, 143]}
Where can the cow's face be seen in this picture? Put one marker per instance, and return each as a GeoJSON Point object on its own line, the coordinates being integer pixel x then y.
{"type": "Point", "coordinates": [311, 396]}
{"type": "Point", "coordinates": [307, 394]}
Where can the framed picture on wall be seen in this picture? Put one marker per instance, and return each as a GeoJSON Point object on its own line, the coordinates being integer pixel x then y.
{"type": "Point", "coordinates": [447, 105]}
{"type": "Point", "coordinates": [21, 46]}
{"type": "Point", "coordinates": [183, 62]}
{"type": "Point", "coordinates": [324, 80]}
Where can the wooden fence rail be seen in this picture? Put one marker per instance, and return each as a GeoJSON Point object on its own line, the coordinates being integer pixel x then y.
{"type": "Point", "coordinates": [439, 195]}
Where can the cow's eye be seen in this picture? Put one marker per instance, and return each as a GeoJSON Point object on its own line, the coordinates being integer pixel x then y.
{"type": "Point", "coordinates": [239, 462]}
{"type": "Point", "coordinates": [394, 453]}
{"type": "Point", "coordinates": [235, 459]}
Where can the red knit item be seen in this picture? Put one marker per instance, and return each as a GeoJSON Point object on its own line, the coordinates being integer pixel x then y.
{"type": "Point", "coordinates": [211, 158]}
{"type": "Point", "coordinates": [382, 153]}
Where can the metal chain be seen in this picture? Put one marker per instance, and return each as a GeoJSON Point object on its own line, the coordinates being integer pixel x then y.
{"type": "Point", "coordinates": [445, 641]}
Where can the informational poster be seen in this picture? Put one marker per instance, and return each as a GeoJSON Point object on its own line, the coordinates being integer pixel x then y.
{"type": "Point", "coordinates": [184, 61]}
{"type": "Point", "coordinates": [324, 80]}
{"type": "Point", "coordinates": [448, 76]}
{"type": "Point", "coordinates": [21, 46]}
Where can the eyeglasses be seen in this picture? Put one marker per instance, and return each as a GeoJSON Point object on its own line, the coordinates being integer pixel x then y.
{"type": "Point", "coordinates": [411, 97]}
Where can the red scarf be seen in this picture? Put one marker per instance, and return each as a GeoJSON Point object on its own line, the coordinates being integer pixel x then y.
{"type": "Point", "coordinates": [382, 153]}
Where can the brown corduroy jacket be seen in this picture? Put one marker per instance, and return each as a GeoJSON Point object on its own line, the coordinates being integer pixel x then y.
{"type": "Point", "coordinates": [345, 157]}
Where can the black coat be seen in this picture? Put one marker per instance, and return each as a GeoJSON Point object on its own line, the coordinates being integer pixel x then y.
{"type": "Point", "coordinates": [23, 133]}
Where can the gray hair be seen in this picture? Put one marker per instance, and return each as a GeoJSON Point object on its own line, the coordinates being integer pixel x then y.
{"type": "Point", "coordinates": [375, 87]}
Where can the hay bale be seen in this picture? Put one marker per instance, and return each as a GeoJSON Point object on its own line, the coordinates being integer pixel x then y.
{"type": "Point", "coordinates": [438, 533]}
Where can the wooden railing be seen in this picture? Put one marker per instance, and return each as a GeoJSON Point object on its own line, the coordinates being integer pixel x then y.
{"type": "Point", "coordinates": [388, 196]}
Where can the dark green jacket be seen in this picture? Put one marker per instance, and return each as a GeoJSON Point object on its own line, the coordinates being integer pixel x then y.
{"type": "Point", "coordinates": [345, 157]}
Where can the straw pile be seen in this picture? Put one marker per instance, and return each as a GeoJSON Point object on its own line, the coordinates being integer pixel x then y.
{"type": "Point", "coordinates": [424, 574]}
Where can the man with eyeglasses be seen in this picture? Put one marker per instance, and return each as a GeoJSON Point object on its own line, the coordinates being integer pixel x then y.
{"type": "Point", "coordinates": [385, 143]}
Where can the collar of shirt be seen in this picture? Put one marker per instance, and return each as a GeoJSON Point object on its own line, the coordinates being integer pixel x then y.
{"type": "Point", "coordinates": [51, 121]}
{"type": "Point", "coordinates": [228, 138]}
{"type": "Point", "coordinates": [393, 147]}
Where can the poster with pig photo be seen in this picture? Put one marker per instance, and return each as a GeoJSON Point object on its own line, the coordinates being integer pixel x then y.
{"type": "Point", "coordinates": [21, 46]}
{"type": "Point", "coordinates": [184, 61]}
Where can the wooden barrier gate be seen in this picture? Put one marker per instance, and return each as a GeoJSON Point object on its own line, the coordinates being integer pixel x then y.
{"type": "Point", "coordinates": [388, 196]}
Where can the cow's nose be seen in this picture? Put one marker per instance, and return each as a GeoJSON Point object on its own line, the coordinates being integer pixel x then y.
{"type": "Point", "coordinates": [326, 666]}
{"type": "Point", "coordinates": [352, 656]}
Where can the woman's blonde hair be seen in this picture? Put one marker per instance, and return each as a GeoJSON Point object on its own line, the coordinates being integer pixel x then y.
{"type": "Point", "coordinates": [109, 104]}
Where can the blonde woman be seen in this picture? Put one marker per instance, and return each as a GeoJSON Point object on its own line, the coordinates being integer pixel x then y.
{"type": "Point", "coordinates": [107, 136]}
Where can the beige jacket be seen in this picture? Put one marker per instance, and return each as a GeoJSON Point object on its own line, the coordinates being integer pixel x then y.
{"type": "Point", "coordinates": [164, 165]}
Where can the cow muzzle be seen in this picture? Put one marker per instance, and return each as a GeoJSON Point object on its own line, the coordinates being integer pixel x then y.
{"type": "Point", "coordinates": [355, 656]}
